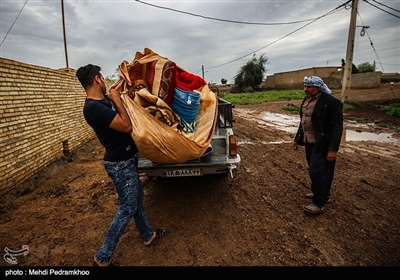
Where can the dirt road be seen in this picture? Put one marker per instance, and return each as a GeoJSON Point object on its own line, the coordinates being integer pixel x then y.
{"type": "Point", "coordinates": [253, 220]}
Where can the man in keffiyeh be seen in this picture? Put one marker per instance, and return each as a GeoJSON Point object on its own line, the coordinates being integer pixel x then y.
{"type": "Point", "coordinates": [317, 82]}
{"type": "Point", "coordinates": [320, 131]}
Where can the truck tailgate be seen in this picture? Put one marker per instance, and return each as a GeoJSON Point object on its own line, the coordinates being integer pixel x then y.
{"type": "Point", "coordinates": [196, 167]}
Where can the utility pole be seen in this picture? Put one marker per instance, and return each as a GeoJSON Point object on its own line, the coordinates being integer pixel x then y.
{"type": "Point", "coordinates": [350, 49]}
{"type": "Point", "coordinates": [202, 71]}
{"type": "Point", "coordinates": [65, 37]}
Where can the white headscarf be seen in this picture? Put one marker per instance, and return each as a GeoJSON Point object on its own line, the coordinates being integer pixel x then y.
{"type": "Point", "coordinates": [315, 81]}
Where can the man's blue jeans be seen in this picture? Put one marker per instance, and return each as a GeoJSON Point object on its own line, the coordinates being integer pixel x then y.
{"type": "Point", "coordinates": [126, 179]}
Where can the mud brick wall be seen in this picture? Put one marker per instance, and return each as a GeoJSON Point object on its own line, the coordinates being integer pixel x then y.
{"type": "Point", "coordinates": [41, 119]}
{"type": "Point", "coordinates": [332, 76]}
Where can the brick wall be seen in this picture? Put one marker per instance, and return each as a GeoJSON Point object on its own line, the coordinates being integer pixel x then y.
{"type": "Point", "coordinates": [366, 80]}
{"type": "Point", "coordinates": [332, 76]}
{"type": "Point", "coordinates": [41, 119]}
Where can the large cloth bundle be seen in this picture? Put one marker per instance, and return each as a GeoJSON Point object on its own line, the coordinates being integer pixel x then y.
{"type": "Point", "coordinates": [151, 85]}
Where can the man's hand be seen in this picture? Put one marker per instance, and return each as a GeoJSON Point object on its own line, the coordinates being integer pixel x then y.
{"type": "Point", "coordinates": [331, 156]}
{"type": "Point", "coordinates": [121, 121]}
{"type": "Point", "coordinates": [114, 95]}
{"type": "Point", "coordinates": [295, 147]}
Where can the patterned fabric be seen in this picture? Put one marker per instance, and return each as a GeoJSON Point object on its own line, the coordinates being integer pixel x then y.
{"type": "Point", "coordinates": [154, 123]}
{"type": "Point", "coordinates": [156, 71]}
{"type": "Point", "coordinates": [156, 107]}
{"type": "Point", "coordinates": [315, 81]}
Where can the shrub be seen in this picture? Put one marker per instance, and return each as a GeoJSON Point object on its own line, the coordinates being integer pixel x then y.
{"type": "Point", "coordinates": [392, 109]}
{"type": "Point", "coordinates": [348, 105]}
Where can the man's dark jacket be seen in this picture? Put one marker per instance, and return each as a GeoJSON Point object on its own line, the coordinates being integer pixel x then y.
{"type": "Point", "coordinates": [327, 122]}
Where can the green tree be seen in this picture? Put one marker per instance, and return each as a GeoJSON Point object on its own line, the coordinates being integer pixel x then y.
{"type": "Point", "coordinates": [251, 74]}
{"type": "Point", "coordinates": [114, 77]}
{"type": "Point", "coordinates": [354, 69]}
{"type": "Point", "coordinates": [366, 67]}
{"type": "Point", "coordinates": [224, 81]}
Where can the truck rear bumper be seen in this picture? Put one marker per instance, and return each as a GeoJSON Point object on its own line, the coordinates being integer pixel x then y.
{"type": "Point", "coordinates": [198, 167]}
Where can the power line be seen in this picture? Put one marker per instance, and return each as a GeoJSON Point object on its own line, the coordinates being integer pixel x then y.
{"type": "Point", "coordinates": [387, 6]}
{"type": "Point", "coordinates": [312, 20]}
{"type": "Point", "coordinates": [328, 13]}
{"type": "Point", "coordinates": [372, 44]}
{"type": "Point", "coordinates": [224, 20]}
{"type": "Point", "coordinates": [13, 23]}
{"type": "Point", "coordinates": [366, 1]}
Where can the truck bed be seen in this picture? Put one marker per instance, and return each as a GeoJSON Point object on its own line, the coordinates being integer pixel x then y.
{"type": "Point", "coordinates": [216, 162]}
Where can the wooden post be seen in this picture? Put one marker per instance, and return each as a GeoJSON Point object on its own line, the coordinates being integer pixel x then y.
{"type": "Point", "coordinates": [350, 49]}
{"type": "Point", "coordinates": [65, 37]}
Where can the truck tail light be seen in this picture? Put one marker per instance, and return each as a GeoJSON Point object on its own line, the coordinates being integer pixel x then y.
{"type": "Point", "coordinates": [232, 146]}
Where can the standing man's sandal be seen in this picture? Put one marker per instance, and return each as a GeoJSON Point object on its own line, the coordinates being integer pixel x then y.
{"type": "Point", "coordinates": [156, 234]}
{"type": "Point", "coordinates": [312, 209]}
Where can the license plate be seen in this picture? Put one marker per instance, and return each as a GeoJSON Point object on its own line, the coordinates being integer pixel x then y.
{"type": "Point", "coordinates": [182, 173]}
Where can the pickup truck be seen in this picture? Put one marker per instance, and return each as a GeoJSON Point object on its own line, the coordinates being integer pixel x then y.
{"type": "Point", "coordinates": [223, 159]}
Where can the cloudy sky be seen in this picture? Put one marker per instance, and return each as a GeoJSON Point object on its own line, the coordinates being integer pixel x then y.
{"type": "Point", "coordinates": [219, 36]}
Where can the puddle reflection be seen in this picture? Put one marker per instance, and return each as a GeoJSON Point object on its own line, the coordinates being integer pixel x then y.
{"type": "Point", "coordinates": [289, 123]}
{"type": "Point", "coordinates": [351, 135]}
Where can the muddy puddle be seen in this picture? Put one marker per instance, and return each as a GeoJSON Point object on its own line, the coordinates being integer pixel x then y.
{"type": "Point", "coordinates": [353, 131]}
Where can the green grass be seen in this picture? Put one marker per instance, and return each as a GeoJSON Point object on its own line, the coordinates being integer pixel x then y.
{"type": "Point", "coordinates": [278, 95]}
{"type": "Point", "coordinates": [392, 109]}
{"type": "Point", "coordinates": [265, 96]}
{"type": "Point", "coordinates": [348, 105]}
{"type": "Point", "coordinates": [297, 94]}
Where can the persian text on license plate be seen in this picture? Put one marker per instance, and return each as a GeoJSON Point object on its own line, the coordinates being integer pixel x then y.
{"type": "Point", "coordinates": [182, 173]}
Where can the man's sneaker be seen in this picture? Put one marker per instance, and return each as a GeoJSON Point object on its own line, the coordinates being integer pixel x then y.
{"type": "Point", "coordinates": [312, 209]}
{"type": "Point", "coordinates": [311, 195]}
